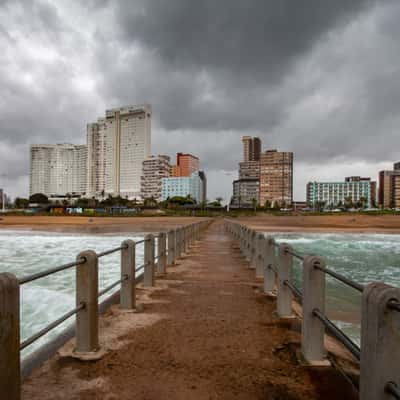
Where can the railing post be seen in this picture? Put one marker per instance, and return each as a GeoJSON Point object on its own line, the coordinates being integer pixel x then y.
{"type": "Point", "coordinates": [312, 329]}
{"type": "Point", "coordinates": [380, 341]}
{"type": "Point", "coordinates": [149, 272]}
{"type": "Point", "coordinates": [128, 265]}
{"type": "Point", "coordinates": [171, 247]}
{"type": "Point", "coordinates": [87, 319]}
{"type": "Point", "coordinates": [162, 253]}
{"type": "Point", "coordinates": [10, 380]}
{"type": "Point", "coordinates": [269, 263]}
{"type": "Point", "coordinates": [253, 249]}
{"type": "Point", "coordinates": [260, 253]}
{"type": "Point", "coordinates": [187, 239]}
{"type": "Point", "coordinates": [284, 300]}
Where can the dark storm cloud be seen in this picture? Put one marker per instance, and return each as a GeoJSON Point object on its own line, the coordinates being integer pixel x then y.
{"type": "Point", "coordinates": [244, 49]}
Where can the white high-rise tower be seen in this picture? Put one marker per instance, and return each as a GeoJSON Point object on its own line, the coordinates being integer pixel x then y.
{"type": "Point", "coordinates": [117, 146]}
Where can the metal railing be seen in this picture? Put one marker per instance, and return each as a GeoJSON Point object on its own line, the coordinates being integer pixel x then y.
{"type": "Point", "coordinates": [170, 246]}
{"type": "Point", "coordinates": [379, 354]}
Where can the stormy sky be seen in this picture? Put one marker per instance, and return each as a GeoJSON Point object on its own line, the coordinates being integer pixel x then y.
{"type": "Point", "coordinates": [320, 78]}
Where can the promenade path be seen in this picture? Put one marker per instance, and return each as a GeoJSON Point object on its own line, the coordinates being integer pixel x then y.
{"type": "Point", "coordinates": [206, 332]}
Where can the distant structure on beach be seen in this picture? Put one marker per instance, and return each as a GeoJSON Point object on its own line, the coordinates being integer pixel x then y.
{"type": "Point", "coordinates": [58, 170]}
{"type": "Point", "coordinates": [155, 168]}
{"type": "Point", "coordinates": [117, 146]}
{"type": "Point", "coordinates": [389, 187]}
{"type": "Point", "coordinates": [354, 190]}
{"type": "Point", "coordinates": [185, 179]}
{"type": "Point", "coordinates": [264, 177]}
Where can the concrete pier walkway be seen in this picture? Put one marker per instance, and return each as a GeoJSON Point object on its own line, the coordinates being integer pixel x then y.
{"type": "Point", "coordinates": [206, 332]}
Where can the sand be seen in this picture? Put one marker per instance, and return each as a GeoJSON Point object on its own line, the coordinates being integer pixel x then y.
{"type": "Point", "coordinates": [296, 223]}
{"type": "Point", "coordinates": [94, 225]}
{"type": "Point", "coordinates": [351, 223]}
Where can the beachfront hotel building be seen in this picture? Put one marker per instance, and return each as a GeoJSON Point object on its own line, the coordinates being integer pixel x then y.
{"type": "Point", "coordinates": [155, 168]}
{"type": "Point", "coordinates": [186, 164]}
{"type": "Point", "coordinates": [183, 186]}
{"type": "Point", "coordinates": [117, 146]}
{"type": "Point", "coordinates": [276, 177]}
{"type": "Point", "coordinates": [389, 187]}
{"type": "Point", "coordinates": [58, 170]}
{"type": "Point", "coordinates": [333, 194]}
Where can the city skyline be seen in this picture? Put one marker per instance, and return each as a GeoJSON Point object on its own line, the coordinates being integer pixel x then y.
{"type": "Point", "coordinates": [309, 82]}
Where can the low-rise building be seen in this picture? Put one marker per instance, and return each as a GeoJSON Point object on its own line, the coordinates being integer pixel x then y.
{"type": "Point", "coordinates": [246, 192]}
{"type": "Point", "coordinates": [353, 189]}
{"type": "Point", "coordinates": [155, 168]}
{"type": "Point", "coordinates": [183, 186]}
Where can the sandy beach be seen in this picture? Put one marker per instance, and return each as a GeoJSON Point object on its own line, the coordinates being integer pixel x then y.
{"type": "Point", "coordinates": [92, 224]}
{"type": "Point", "coordinates": [351, 223]}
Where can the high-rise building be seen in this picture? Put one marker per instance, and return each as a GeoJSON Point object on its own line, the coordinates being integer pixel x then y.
{"type": "Point", "coordinates": [355, 189]}
{"type": "Point", "coordinates": [276, 177]}
{"type": "Point", "coordinates": [183, 186]}
{"type": "Point", "coordinates": [57, 170]}
{"type": "Point", "coordinates": [118, 144]}
{"type": "Point", "coordinates": [249, 170]}
{"type": "Point", "coordinates": [96, 158]}
{"type": "Point", "coordinates": [155, 168]}
{"type": "Point", "coordinates": [186, 164]}
{"type": "Point", "coordinates": [251, 148]}
{"type": "Point", "coordinates": [389, 187]}
{"type": "Point", "coordinates": [246, 191]}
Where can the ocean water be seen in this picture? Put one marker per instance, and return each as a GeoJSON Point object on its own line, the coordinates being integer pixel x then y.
{"type": "Point", "coordinates": [46, 299]}
{"type": "Point", "coordinates": [364, 258]}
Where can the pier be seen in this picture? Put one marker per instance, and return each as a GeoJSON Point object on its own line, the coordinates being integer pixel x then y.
{"type": "Point", "coordinates": [213, 313]}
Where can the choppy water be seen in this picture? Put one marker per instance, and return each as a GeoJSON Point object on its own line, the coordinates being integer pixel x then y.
{"type": "Point", "coordinates": [362, 257]}
{"type": "Point", "coordinates": [44, 300]}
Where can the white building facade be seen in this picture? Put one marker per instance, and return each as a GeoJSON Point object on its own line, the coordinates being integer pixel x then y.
{"type": "Point", "coordinates": [117, 146]}
{"type": "Point", "coordinates": [183, 186]}
{"type": "Point", "coordinates": [155, 168]}
{"type": "Point", "coordinates": [58, 170]}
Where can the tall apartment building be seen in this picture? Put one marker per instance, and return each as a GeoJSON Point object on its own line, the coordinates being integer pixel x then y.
{"type": "Point", "coordinates": [276, 177]}
{"type": "Point", "coordinates": [335, 193]}
{"type": "Point", "coordinates": [186, 164]}
{"type": "Point", "coordinates": [118, 144]}
{"type": "Point", "coordinates": [249, 170]}
{"type": "Point", "coordinates": [245, 192]}
{"type": "Point", "coordinates": [389, 187]}
{"type": "Point", "coordinates": [95, 137]}
{"type": "Point", "coordinates": [251, 148]}
{"type": "Point", "coordinates": [58, 169]}
{"type": "Point", "coordinates": [155, 168]}
{"type": "Point", "coordinates": [183, 186]}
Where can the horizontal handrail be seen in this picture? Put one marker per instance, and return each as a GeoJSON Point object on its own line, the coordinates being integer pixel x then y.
{"type": "Point", "coordinates": [294, 254]}
{"type": "Point", "coordinates": [38, 275]}
{"type": "Point", "coordinates": [341, 278]}
{"type": "Point", "coordinates": [111, 251]}
{"type": "Point", "coordinates": [116, 283]}
{"type": "Point", "coordinates": [50, 327]}
{"type": "Point", "coordinates": [338, 334]}
{"type": "Point", "coordinates": [296, 291]}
